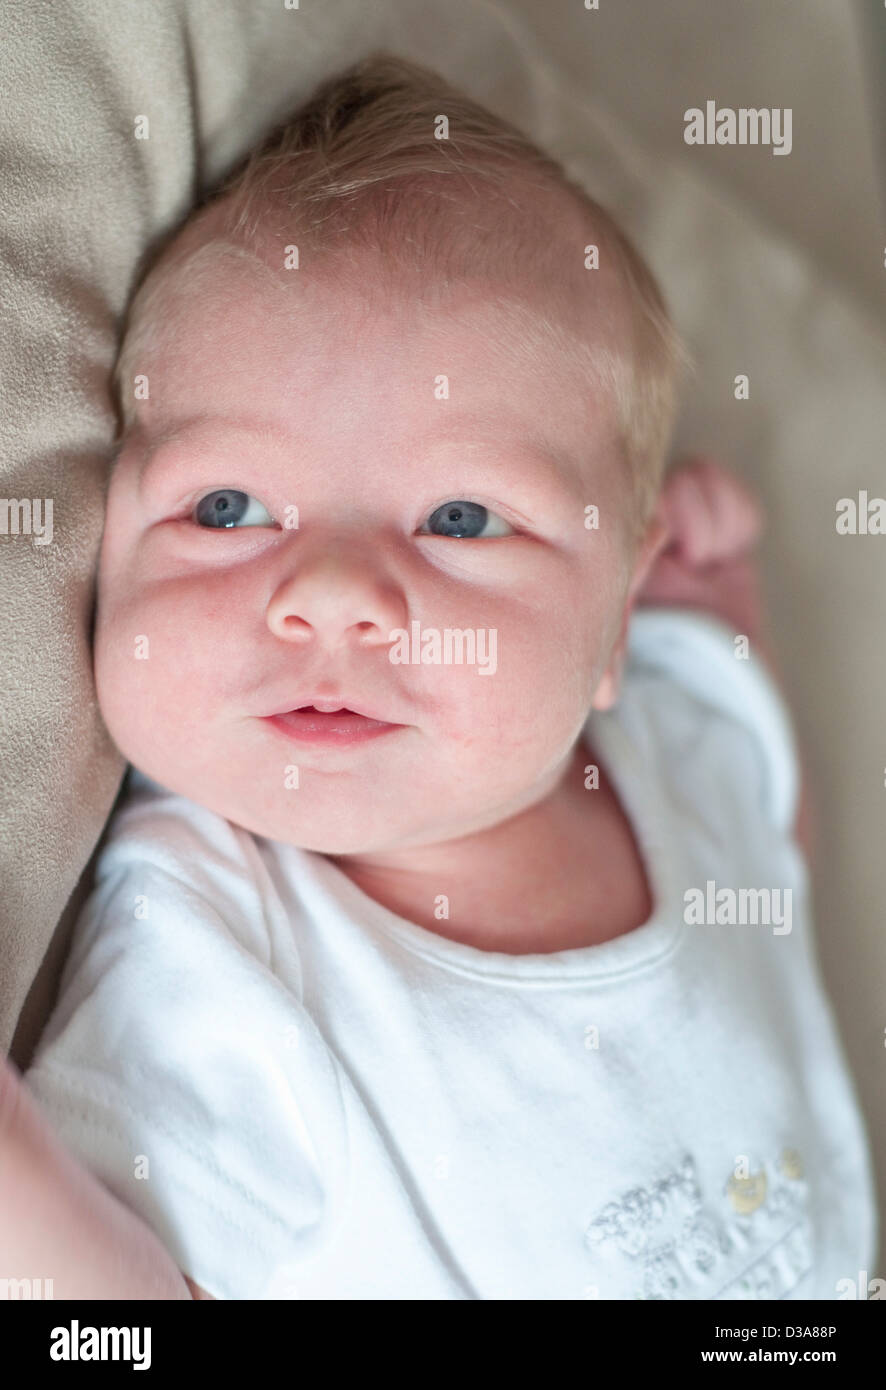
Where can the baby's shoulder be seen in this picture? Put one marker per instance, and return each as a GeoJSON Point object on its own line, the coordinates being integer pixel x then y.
{"type": "Point", "coordinates": [167, 828]}
{"type": "Point", "coordinates": [699, 700]}
{"type": "Point", "coordinates": [171, 863]}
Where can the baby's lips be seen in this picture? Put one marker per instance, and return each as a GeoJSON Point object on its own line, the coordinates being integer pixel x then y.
{"type": "Point", "coordinates": [302, 701]}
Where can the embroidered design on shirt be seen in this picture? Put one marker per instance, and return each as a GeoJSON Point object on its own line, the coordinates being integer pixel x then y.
{"type": "Point", "coordinates": [753, 1240]}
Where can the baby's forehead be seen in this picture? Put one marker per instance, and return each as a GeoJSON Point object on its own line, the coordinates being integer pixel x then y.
{"type": "Point", "coordinates": [527, 304]}
{"type": "Point", "coordinates": [546, 303]}
{"type": "Point", "coordinates": [536, 242]}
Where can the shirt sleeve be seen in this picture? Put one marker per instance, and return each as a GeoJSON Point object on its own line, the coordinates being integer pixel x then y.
{"type": "Point", "coordinates": [182, 1073]}
{"type": "Point", "coordinates": [697, 652]}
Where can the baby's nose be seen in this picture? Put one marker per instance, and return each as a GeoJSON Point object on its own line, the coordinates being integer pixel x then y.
{"type": "Point", "coordinates": [332, 599]}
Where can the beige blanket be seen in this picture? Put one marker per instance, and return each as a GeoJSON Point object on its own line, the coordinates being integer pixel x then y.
{"type": "Point", "coordinates": [83, 199]}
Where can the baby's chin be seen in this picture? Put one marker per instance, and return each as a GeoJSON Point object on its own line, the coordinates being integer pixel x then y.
{"type": "Point", "coordinates": [345, 823]}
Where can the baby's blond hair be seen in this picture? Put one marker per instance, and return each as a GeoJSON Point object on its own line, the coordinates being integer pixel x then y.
{"type": "Point", "coordinates": [360, 165]}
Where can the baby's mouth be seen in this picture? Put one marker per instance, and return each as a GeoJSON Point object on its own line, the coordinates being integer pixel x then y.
{"type": "Point", "coordinates": [341, 726]}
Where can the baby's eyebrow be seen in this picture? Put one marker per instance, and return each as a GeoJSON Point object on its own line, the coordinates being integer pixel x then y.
{"type": "Point", "coordinates": [535, 468]}
{"type": "Point", "coordinates": [190, 440]}
{"type": "Point", "coordinates": [534, 465]}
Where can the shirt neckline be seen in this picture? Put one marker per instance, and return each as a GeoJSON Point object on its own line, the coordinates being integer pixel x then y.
{"type": "Point", "coordinates": [639, 791]}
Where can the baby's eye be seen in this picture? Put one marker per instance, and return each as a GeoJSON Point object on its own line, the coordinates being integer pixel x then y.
{"type": "Point", "coordinates": [465, 519]}
{"type": "Point", "coordinates": [227, 507]}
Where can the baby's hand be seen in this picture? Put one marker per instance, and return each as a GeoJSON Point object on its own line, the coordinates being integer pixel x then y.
{"type": "Point", "coordinates": [57, 1219]}
{"type": "Point", "coordinates": [711, 516]}
{"type": "Point", "coordinates": [713, 523]}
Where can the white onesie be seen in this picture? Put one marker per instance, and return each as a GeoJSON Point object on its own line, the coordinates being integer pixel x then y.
{"type": "Point", "coordinates": [306, 1096]}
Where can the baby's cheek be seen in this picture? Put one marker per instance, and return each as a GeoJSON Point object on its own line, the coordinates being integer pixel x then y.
{"type": "Point", "coordinates": [113, 664]}
{"type": "Point", "coordinates": [145, 680]}
{"type": "Point", "coordinates": [529, 701]}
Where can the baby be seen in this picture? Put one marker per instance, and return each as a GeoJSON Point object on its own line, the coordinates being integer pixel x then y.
{"type": "Point", "coordinates": [451, 939]}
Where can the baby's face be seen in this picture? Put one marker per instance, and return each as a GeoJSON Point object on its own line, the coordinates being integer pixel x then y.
{"type": "Point", "coordinates": [320, 424]}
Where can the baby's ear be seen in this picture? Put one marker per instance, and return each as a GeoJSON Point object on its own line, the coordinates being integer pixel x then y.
{"type": "Point", "coordinates": [650, 547]}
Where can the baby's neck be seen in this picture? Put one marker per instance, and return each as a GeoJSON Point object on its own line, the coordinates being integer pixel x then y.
{"type": "Point", "coordinates": [566, 872]}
